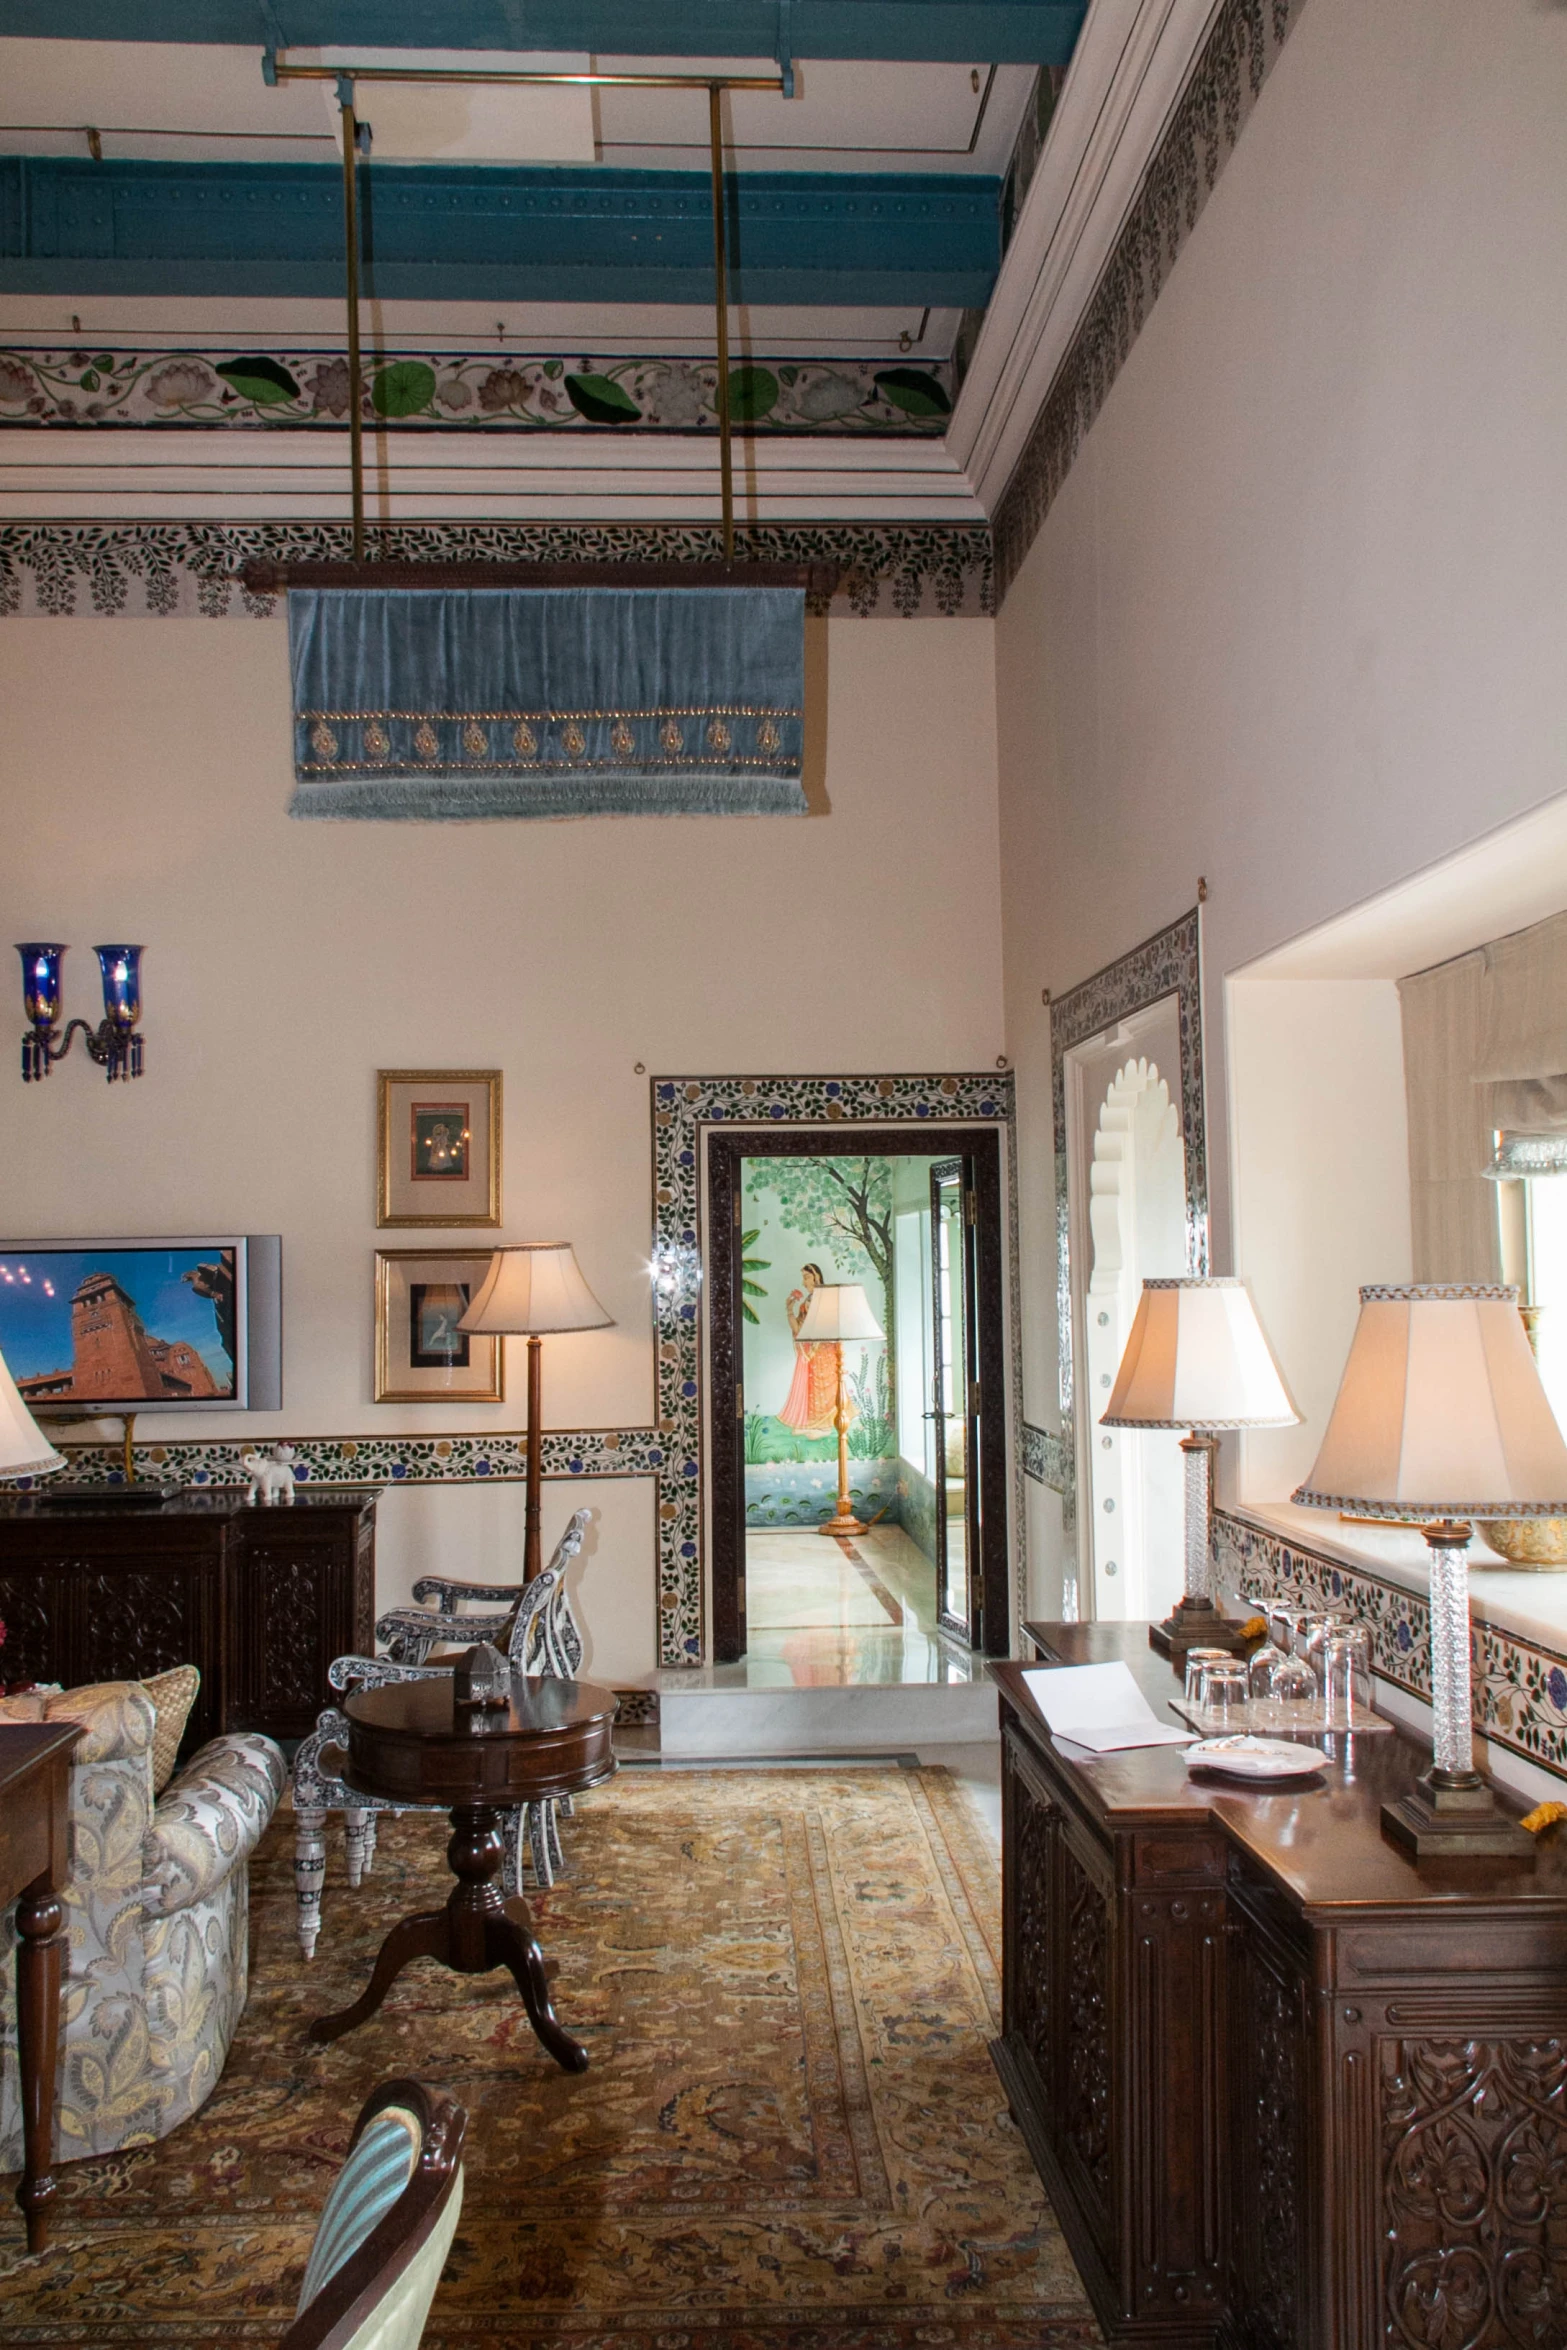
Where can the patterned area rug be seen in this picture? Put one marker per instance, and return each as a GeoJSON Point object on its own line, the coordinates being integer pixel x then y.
{"type": "Point", "coordinates": [791, 2137]}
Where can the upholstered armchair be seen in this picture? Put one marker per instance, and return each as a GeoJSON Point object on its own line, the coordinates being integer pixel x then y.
{"type": "Point", "coordinates": [157, 1915]}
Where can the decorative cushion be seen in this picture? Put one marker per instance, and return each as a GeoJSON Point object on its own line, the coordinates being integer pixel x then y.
{"type": "Point", "coordinates": [173, 1694]}
{"type": "Point", "coordinates": [363, 2192]}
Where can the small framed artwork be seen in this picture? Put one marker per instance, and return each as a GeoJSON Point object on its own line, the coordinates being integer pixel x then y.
{"type": "Point", "coordinates": [421, 1356]}
{"type": "Point", "coordinates": [439, 1147]}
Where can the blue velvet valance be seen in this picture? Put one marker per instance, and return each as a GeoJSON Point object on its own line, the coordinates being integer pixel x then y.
{"type": "Point", "coordinates": [445, 703]}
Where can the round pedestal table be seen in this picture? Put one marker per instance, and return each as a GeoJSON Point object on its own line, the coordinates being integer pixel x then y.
{"type": "Point", "coordinates": [410, 1742]}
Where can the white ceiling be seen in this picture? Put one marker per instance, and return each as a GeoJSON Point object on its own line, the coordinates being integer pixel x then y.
{"type": "Point", "coordinates": [168, 101]}
{"type": "Point", "coordinates": [604, 330]}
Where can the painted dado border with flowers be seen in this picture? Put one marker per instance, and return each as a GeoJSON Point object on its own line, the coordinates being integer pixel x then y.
{"type": "Point", "coordinates": [1520, 1689]}
{"type": "Point", "coordinates": [191, 570]}
{"type": "Point", "coordinates": [672, 1451]}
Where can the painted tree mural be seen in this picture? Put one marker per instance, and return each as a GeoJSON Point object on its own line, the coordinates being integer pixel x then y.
{"type": "Point", "coordinates": [844, 1206]}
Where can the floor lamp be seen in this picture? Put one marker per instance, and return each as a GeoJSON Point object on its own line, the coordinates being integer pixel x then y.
{"type": "Point", "coordinates": [1441, 1418]}
{"type": "Point", "coordinates": [840, 1310]}
{"type": "Point", "coordinates": [532, 1291]}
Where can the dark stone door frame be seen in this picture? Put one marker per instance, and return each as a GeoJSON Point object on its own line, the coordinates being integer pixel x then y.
{"type": "Point", "coordinates": [981, 1146]}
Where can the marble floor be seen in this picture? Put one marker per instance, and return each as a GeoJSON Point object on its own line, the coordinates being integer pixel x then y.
{"type": "Point", "coordinates": [843, 1613]}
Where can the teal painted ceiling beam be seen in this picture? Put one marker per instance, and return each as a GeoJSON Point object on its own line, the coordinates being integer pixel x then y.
{"type": "Point", "coordinates": [1000, 32]}
{"type": "Point", "coordinates": [482, 232]}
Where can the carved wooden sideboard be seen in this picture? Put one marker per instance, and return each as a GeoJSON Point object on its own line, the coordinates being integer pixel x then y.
{"type": "Point", "coordinates": [261, 1599]}
{"type": "Point", "coordinates": [1287, 2091]}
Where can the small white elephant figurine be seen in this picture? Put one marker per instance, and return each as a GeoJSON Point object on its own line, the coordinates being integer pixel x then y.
{"type": "Point", "coordinates": [269, 1480]}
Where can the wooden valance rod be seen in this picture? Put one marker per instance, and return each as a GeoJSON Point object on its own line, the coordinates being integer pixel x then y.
{"type": "Point", "coordinates": [265, 578]}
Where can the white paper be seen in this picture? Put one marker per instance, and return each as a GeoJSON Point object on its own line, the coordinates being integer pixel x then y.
{"type": "Point", "coordinates": [1099, 1707]}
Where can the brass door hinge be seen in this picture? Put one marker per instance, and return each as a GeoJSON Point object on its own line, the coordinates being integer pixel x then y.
{"type": "Point", "coordinates": [973, 1399]}
{"type": "Point", "coordinates": [739, 1403]}
{"type": "Point", "coordinates": [970, 1208]}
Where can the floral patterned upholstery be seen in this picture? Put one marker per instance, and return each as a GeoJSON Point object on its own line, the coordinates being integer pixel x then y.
{"type": "Point", "coordinates": [157, 1915]}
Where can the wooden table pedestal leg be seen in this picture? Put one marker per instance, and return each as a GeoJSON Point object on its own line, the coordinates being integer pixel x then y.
{"type": "Point", "coordinates": [475, 1932]}
{"type": "Point", "coordinates": [39, 1916]}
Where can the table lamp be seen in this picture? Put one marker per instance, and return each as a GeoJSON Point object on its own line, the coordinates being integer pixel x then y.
{"type": "Point", "coordinates": [840, 1310]}
{"type": "Point", "coordinates": [25, 1451]}
{"type": "Point", "coordinates": [1440, 1417]}
{"type": "Point", "coordinates": [1197, 1359]}
{"type": "Point", "coordinates": [530, 1291]}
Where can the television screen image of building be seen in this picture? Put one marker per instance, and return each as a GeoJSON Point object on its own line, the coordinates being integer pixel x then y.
{"type": "Point", "coordinates": [120, 1326]}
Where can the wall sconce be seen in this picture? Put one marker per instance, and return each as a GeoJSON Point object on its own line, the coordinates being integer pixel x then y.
{"type": "Point", "coordinates": [115, 1044]}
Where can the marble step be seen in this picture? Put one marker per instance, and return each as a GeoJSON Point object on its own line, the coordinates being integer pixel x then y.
{"type": "Point", "coordinates": [701, 1715]}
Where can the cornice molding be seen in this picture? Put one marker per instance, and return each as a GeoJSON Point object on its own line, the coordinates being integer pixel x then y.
{"type": "Point", "coordinates": [1182, 107]}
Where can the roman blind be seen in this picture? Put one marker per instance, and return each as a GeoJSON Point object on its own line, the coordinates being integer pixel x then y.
{"type": "Point", "coordinates": [1485, 1077]}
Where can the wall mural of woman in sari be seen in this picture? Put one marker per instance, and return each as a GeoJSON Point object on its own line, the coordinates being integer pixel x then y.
{"type": "Point", "coordinates": [812, 1400]}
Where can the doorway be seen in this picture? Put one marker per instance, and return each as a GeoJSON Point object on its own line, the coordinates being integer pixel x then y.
{"type": "Point", "coordinates": [911, 1222]}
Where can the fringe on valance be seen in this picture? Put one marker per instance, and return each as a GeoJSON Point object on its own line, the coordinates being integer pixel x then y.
{"type": "Point", "coordinates": [455, 704]}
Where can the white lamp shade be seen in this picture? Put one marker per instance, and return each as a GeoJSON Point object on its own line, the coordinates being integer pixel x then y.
{"type": "Point", "coordinates": [1197, 1358]}
{"type": "Point", "coordinates": [839, 1310]}
{"type": "Point", "coordinates": [24, 1449]}
{"type": "Point", "coordinates": [1440, 1412]}
{"type": "Point", "coordinates": [534, 1289]}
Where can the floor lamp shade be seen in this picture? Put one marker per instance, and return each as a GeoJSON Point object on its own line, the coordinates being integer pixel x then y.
{"type": "Point", "coordinates": [24, 1449]}
{"type": "Point", "coordinates": [1197, 1358]}
{"type": "Point", "coordinates": [837, 1312]}
{"type": "Point", "coordinates": [1440, 1417]}
{"type": "Point", "coordinates": [532, 1290]}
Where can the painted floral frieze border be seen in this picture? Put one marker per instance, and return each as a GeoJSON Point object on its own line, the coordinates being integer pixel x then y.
{"type": "Point", "coordinates": [465, 391]}
{"type": "Point", "coordinates": [1520, 1689]}
{"type": "Point", "coordinates": [1221, 91]}
{"type": "Point", "coordinates": [383, 1460]}
{"type": "Point", "coordinates": [178, 570]}
{"type": "Point", "coordinates": [1047, 1458]}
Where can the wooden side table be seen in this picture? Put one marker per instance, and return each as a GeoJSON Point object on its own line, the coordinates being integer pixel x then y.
{"type": "Point", "coordinates": [410, 1743]}
{"type": "Point", "coordinates": [35, 1774]}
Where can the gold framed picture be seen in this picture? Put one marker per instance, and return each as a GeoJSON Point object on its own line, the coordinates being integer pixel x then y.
{"type": "Point", "coordinates": [438, 1147]}
{"type": "Point", "coordinates": [420, 1354]}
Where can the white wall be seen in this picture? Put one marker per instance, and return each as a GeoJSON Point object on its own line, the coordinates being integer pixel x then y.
{"type": "Point", "coordinates": [145, 770]}
{"type": "Point", "coordinates": [1294, 620]}
{"type": "Point", "coordinates": [1319, 1147]}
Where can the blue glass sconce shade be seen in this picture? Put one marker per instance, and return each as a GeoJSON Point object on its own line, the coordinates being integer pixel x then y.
{"type": "Point", "coordinates": [41, 982]}
{"type": "Point", "coordinates": [114, 1045]}
{"type": "Point", "coordinates": [121, 968]}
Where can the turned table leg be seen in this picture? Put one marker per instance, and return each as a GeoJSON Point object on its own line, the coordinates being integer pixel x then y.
{"type": "Point", "coordinates": [40, 1950]}
{"type": "Point", "coordinates": [473, 1933]}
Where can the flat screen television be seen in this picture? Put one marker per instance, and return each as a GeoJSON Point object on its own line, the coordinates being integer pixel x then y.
{"type": "Point", "coordinates": [186, 1325]}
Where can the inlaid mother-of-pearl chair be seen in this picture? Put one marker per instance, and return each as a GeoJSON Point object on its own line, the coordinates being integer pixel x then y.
{"type": "Point", "coordinates": [541, 1638]}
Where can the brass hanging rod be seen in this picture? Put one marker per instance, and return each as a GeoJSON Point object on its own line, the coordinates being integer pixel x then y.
{"type": "Point", "coordinates": [283, 72]}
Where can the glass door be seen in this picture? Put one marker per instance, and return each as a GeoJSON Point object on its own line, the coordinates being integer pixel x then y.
{"type": "Point", "coordinates": [955, 1398]}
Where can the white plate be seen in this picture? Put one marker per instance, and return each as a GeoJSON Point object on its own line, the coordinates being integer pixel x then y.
{"type": "Point", "coordinates": [1245, 1757]}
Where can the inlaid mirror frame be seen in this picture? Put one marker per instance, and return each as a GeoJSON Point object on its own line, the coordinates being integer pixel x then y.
{"type": "Point", "coordinates": [1168, 964]}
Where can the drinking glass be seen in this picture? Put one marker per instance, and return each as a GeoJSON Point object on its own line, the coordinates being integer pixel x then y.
{"type": "Point", "coordinates": [1197, 1662]}
{"type": "Point", "coordinates": [1319, 1630]}
{"type": "Point", "coordinates": [1346, 1675]}
{"type": "Point", "coordinates": [1225, 1697]}
{"type": "Point", "coordinates": [1294, 1684]}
